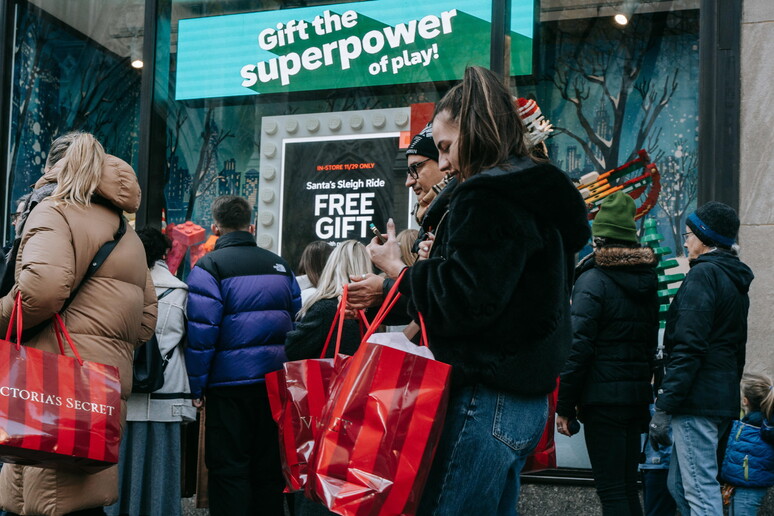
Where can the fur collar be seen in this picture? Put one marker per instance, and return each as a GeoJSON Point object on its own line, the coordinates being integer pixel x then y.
{"type": "Point", "coordinates": [624, 256]}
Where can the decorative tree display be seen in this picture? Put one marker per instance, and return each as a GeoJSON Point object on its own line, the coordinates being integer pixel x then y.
{"type": "Point", "coordinates": [612, 66]}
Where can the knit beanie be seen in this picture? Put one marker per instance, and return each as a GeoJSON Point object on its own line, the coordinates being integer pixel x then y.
{"type": "Point", "coordinates": [615, 219]}
{"type": "Point", "coordinates": [715, 224]}
{"type": "Point", "coordinates": [423, 145]}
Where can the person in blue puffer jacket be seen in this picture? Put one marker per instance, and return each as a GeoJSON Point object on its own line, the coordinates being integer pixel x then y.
{"type": "Point", "coordinates": [242, 301]}
{"type": "Point", "coordinates": [749, 459]}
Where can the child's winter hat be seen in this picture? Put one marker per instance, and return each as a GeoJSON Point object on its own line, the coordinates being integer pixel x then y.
{"type": "Point", "coordinates": [615, 219]}
{"type": "Point", "coordinates": [715, 224]}
{"type": "Point", "coordinates": [538, 128]}
{"type": "Point", "coordinates": [422, 144]}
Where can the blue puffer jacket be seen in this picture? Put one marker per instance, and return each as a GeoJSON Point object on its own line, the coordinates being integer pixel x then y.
{"type": "Point", "coordinates": [242, 301]}
{"type": "Point", "coordinates": [749, 460]}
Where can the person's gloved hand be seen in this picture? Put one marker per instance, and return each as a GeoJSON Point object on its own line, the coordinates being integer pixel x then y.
{"type": "Point", "coordinates": [658, 430]}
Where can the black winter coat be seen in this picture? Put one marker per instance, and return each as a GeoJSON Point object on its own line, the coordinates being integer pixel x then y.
{"type": "Point", "coordinates": [705, 338]}
{"type": "Point", "coordinates": [308, 338]}
{"type": "Point", "coordinates": [495, 291]}
{"type": "Point", "coordinates": [615, 331]}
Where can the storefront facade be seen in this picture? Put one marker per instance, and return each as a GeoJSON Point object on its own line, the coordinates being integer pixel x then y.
{"type": "Point", "coordinates": [305, 108]}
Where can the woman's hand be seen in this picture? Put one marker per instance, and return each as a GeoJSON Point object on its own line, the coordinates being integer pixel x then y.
{"type": "Point", "coordinates": [386, 256]}
{"type": "Point", "coordinates": [563, 425]}
{"type": "Point", "coordinates": [426, 246]}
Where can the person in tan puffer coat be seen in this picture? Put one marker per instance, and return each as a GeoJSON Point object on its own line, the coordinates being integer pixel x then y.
{"type": "Point", "coordinates": [112, 313]}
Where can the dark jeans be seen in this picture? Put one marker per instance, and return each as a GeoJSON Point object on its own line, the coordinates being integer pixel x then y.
{"type": "Point", "coordinates": [242, 453]}
{"type": "Point", "coordinates": [658, 499]}
{"type": "Point", "coordinates": [613, 442]}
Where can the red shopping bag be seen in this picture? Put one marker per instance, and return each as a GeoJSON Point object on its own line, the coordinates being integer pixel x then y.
{"type": "Point", "coordinates": [380, 430]}
{"type": "Point", "coordinates": [544, 456]}
{"type": "Point", "coordinates": [297, 395]}
{"type": "Point", "coordinates": [56, 411]}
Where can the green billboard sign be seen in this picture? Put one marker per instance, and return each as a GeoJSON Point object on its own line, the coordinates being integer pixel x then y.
{"type": "Point", "coordinates": [357, 44]}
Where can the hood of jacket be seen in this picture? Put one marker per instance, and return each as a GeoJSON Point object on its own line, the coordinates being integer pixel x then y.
{"type": "Point", "coordinates": [631, 268]}
{"type": "Point", "coordinates": [739, 273]}
{"type": "Point", "coordinates": [531, 185]}
{"type": "Point", "coordinates": [163, 279]}
{"type": "Point", "coordinates": [118, 183]}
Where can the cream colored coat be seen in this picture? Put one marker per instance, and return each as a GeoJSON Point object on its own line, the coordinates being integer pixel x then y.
{"type": "Point", "coordinates": [112, 313]}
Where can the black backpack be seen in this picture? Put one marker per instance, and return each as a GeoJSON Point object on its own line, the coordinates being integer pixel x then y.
{"type": "Point", "coordinates": [149, 364]}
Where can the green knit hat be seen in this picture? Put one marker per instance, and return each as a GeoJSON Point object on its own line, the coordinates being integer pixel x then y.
{"type": "Point", "coordinates": [615, 219]}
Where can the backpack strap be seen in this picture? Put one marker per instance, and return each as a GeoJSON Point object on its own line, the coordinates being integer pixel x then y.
{"type": "Point", "coordinates": [98, 260]}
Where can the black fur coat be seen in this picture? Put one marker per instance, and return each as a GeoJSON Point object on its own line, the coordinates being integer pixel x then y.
{"type": "Point", "coordinates": [495, 292]}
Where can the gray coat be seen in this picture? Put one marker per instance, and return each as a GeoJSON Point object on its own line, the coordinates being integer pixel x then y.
{"type": "Point", "coordinates": [170, 328]}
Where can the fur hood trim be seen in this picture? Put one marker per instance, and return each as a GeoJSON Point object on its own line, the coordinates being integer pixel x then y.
{"type": "Point", "coordinates": [624, 256]}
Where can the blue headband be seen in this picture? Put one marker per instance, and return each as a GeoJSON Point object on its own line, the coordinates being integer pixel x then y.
{"type": "Point", "coordinates": [707, 231]}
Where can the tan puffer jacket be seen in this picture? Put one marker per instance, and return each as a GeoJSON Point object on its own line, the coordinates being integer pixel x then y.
{"type": "Point", "coordinates": [112, 313]}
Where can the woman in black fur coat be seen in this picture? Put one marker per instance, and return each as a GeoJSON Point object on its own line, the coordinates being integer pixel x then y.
{"type": "Point", "coordinates": [494, 293]}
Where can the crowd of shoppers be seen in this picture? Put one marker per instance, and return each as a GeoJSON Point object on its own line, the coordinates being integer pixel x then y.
{"type": "Point", "coordinates": [492, 271]}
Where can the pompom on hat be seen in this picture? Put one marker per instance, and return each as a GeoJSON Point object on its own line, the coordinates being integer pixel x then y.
{"type": "Point", "coordinates": [715, 224]}
{"type": "Point", "coordinates": [422, 144]}
{"type": "Point", "coordinates": [615, 219]}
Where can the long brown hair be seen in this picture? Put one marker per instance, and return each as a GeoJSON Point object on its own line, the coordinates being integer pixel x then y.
{"type": "Point", "coordinates": [490, 127]}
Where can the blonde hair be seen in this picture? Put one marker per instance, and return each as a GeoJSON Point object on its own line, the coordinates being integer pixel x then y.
{"type": "Point", "coordinates": [406, 240]}
{"type": "Point", "coordinates": [758, 388]}
{"type": "Point", "coordinates": [79, 177]}
{"type": "Point", "coordinates": [349, 258]}
{"type": "Point", "coordinates": [59, 147]}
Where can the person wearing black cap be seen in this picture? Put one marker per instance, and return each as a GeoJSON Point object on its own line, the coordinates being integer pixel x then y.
{"type": "Point", "coordinates": [433, 189]}
{"type": "Point", "coordinates": [705, 338]}
{"type": "Point", "coordinates": [606, 378]}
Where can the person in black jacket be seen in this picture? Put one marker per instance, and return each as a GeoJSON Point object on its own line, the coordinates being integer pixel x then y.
{"type": "Point", "coordinates": [615, 334]}
{"type": "Point", "coordinates": [349, 258]}
{"type": "Point", "coordinates": [705, 338]}
{"type": "Point", "coordinates": [494, 294]}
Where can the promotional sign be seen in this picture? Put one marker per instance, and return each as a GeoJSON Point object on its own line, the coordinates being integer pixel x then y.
{"type": "Point", "coordinates": [334, 188]}
{"type": "Point", "coordinates": [346, 45]}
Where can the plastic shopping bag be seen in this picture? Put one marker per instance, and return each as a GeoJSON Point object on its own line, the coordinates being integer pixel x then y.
{"type": "Point", "coordinates": [297, 395]}
{"type": "Point", "coordinates": [380, 430]}
{"type": "Point", "coordinates": [56, 411]}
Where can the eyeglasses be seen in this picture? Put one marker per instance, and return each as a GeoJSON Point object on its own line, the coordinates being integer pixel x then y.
{"type": "Point", "coordinates": [686, 235]}
{"type": "Point", "coordinates": [413, 169]}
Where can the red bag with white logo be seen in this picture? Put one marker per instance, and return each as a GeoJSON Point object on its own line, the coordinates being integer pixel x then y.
{"type": "Point", "coordinates": [56, 411]}
{"type": "Point", "coordinates": [380, 429]}
{"type": "Point", "coordinates": [297, 395]}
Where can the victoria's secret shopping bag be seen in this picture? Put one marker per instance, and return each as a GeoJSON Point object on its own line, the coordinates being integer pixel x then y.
{"type": "Point", "coordinates": [297, 395]}
{"type": "Point", "coordinates": [56, 411]}
{"type": "Point", "coordinates": [379, 430]}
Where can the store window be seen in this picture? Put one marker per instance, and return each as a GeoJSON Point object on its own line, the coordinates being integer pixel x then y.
{"type": "Point", "coordinates": [306, 108]}
{"type": "Point", "coordinates": [72, 70]}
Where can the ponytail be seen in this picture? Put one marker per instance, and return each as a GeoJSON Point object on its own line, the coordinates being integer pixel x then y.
{"type": "Point", "coordinates": [79, 177]}
{"type": "Point", "coordinates": [490, 129]}
{"type": "Point", "coordinates": [758, 388]}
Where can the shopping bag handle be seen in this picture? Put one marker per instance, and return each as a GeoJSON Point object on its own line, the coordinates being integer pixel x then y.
{"type": "Point", "coordinates": [389, 302]}
{"type": "Point", "coordinates": [60, 330]}
{"type": "Point", "coordinates": [339, 318]}
{"type": "Point", "coordinates": [390, 299]}
{"type": "Point", "coordinates": [16, 316]}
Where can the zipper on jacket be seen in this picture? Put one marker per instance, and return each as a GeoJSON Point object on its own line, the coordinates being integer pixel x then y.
{"type": "Point", "coordinates": [746, 467]}
{"type": "Point", "coordinates": [738, 432]}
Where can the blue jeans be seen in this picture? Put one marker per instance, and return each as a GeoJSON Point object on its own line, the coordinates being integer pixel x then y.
{"type": "Point", "coordinates": [746, 501]}
{"type": "Point", "coordinates": [693, 469]}
{"type": "Point", "coordinates": [486, 439]}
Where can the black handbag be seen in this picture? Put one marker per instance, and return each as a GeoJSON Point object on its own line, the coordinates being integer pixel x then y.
{"type": "Point", "coordinates": [149, 364]}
